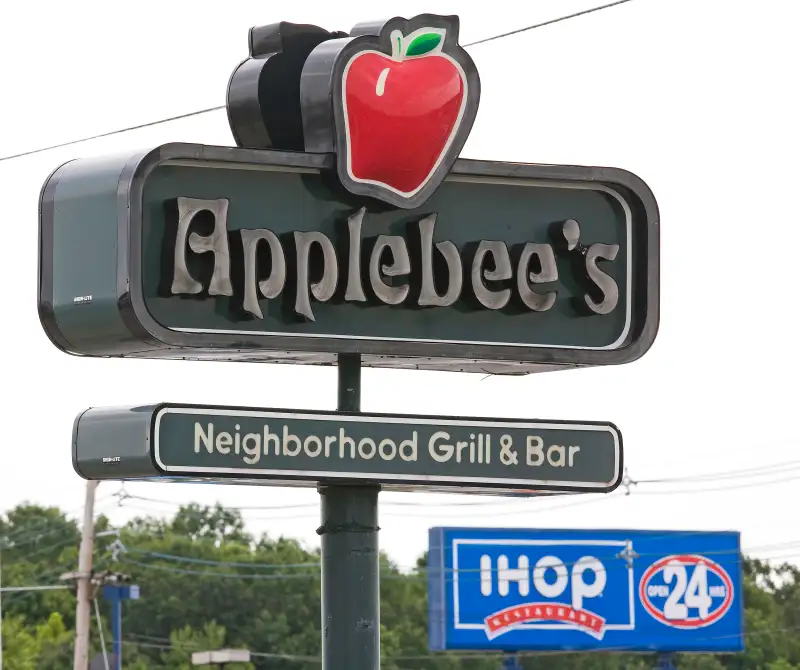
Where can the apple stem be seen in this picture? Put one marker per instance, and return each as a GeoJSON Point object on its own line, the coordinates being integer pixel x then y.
{"type": "Point", "coordinates": [397, 44]}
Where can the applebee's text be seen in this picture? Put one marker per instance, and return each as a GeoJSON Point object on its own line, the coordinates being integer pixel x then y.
{"type": "Point", "coordinates": [443, 446]}
{"type": "Point", "coordinates": [387, 269]}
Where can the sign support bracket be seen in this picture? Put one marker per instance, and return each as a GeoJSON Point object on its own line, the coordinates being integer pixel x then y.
{"type": "Point", "coordinates": [350, 559]}
{"type": "Point", "coordinates": [665, 661]}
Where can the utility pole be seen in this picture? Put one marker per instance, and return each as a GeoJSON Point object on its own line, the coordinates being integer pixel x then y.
{"type": "Point", "coordinates": [83, 612]}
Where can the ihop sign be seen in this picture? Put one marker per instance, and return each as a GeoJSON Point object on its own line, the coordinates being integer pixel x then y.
{"type": "Point", "coordinates": [516, 590]}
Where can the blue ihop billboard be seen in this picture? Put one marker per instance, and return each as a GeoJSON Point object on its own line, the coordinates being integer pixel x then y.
{"type": "Point", "coordinates": [613, 590]}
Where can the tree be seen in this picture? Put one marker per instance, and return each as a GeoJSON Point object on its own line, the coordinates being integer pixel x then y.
{"type": "Point", "coordinates": [185, 641]}
{"type": "Point", "coordinates": [54, 644]}
{"type": "Point", "coordinates": [19, 645]}
{"type": "Point", "coordinates": [215, 523]}
{"type": "Point", "coordinates": [699, 662]}
{"type": "Point", "coordinates": [780, 664]}
{"type": "Point", "coordinates": [206, 583]}
{"type": "Point", "coordinates": [38, 544]}
{"type": "Point", "coordinates": [29, 530]}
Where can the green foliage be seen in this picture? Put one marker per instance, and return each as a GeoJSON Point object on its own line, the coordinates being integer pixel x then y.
{"type": "Point", "coordinates": [54, 644]}
{"type": "Point", "coordinates": [216, 524]}
{"type": "Point", "coordinates": [700, 662]}
{"type": "Point", "coordinates": [48, 645]}
{"type": "Point", "coordinates": [19, 645]}
{"type": "Point", "coordinates": [212, 600]}
{"type": "Point", "coordinates": [185, 641]}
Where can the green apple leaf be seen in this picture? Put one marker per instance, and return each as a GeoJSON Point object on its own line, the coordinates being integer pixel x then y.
{"type": "Point", "coordinates": [424, 43]}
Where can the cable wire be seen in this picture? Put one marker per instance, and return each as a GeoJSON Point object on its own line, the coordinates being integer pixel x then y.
{"type": "Point", "coordinates": [277, 566]}
{"type": "Point", "coordinates": [386, 503]}
{"type": "Point", "coordinates": [584, 499]}
{"type": "Point", "coordinates": [758, 471]}
{"type": "Point", "coordinates": [100, 631]}
{"type": "Point", "coordinates": [47, 575]}
{"type": "Point", "coordinates": [464, 574]}
{"type": "Point", "coordinates": [44, 524]}
{"type": "Point", "coordinates": [747, 634]}
{"type": "Point", "coordinates": [735, 487]}
{"type": "Point", "coordinates": [110, 133]}
{"type": "Point", "coordinates": [218, 108]}
{"type": "Point", "coordinates": [46, 587]}
{"type": "Point", "coordinates": [546, 23]}
{"type": "Point", "coordinates": [313, 508]}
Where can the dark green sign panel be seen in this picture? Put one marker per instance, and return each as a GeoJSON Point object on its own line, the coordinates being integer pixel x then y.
{"type": "Point", "coordinates": [289, 447]}
{"type": "Point", "coordinates": [209, 252]}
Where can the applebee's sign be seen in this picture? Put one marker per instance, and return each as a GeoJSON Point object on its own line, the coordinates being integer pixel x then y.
{"type": "Point", "coordinates": [345, 222]}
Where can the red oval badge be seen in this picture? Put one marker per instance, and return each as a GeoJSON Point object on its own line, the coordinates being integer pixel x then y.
{"type": "Point", "coordinates": [686, 591]}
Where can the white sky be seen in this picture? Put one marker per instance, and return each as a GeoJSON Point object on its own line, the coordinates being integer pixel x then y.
{"type": "Point", "coordinates": [696, 97]}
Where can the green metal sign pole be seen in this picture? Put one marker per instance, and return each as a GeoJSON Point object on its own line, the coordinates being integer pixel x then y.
{"type": "Point", "coordinates": [350, 561]}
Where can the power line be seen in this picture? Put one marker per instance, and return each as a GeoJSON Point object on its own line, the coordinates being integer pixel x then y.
{"type": "Point", "coordinates": [100, 631]}
{"type": "Point", "coordinates": [218, 108]}
{"type": "Point", "coordinates": [21, 595]}
{"type": "Point", "coordinates": [758, 471]}
{"type": "Point", "coordinates": [223, 575]}
{"type": "Point", "coordinates": [388, 573]}
{"type": "Point", "coordinates": [278, 566]}
{"type": "Point", "coordinates": [182, 646]}
{"type": "Point", "coordinates": [23, 529]}
{"type": "Point", "coordinates": [44, 548]}
{"type": "Point", "coordinates": [31, 537]}
{"type": "Point", "coordinates": [314, 511]}
{"type": "Point", "coordinates": [546, 23]}
{"type": "Point", "coordinates": [228, 564]}
{"type": "Point", "coordinates": [521, 509]}
{"type": "Point", "coordinates": [124, 495]}
{"type": "Point", "coordinates": [710, 489]}
{"type": "Point", "coordinates": [110, 133]}
{"type": "Point", "coordinates": [313, 508]}
{"type": "Point", "coordinates": [44, 587]}
{"type": "Point", "coordinates": [780, 467]}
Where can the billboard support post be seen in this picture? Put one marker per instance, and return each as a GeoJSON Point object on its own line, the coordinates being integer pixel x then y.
{"type": "Point", "coordinates": [666, 662]}
{"type": "Point", "coordinates": [350, 559]}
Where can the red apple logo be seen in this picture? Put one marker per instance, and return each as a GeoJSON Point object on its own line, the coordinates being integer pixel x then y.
{"type": "Point", "coordinates": [402, 112]}
{"type": "Point", "coordinates": [395, 102]}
